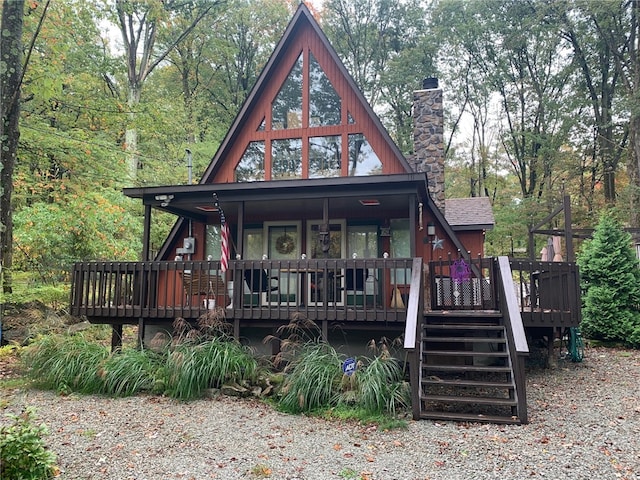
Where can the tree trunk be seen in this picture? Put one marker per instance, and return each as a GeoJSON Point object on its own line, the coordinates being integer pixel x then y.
{"type": "Point", "coordinates": [131, 133]}
{"type": "Point", "coordinates": [10, 79]}
{"type": "Point", "coordinates": [633, 170]}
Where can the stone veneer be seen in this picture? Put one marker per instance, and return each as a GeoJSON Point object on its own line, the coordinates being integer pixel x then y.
{"type": "Point", "coordinates": [428, 138]}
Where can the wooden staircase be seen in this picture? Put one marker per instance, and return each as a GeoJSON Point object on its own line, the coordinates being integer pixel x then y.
{"type": "Point", "coordinates": [467, 369]}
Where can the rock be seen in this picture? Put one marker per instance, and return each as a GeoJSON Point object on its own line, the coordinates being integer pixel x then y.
{"type": "Point", "coordinates": [235, 390]}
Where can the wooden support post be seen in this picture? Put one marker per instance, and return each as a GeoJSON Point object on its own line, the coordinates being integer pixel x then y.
{"type": "Point", "coordinates": [140, 333]}
{"type": "Point", "coordinates": [116, 338]}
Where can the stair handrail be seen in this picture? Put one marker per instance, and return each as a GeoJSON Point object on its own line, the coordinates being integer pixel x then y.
{"type": "Point", "coordinates": [517, 339]}
{"type": "Point", "coordinates": [510, 308]}
{"type": "Point", "coordinates": [414, 310]}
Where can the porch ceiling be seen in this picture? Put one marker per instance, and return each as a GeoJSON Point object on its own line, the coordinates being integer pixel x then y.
{"type": "Point", "coordinates": [298, 198]}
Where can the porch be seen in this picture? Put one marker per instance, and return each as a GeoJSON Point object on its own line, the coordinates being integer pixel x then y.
{"type": "Point", "coordinates": [361, 293]}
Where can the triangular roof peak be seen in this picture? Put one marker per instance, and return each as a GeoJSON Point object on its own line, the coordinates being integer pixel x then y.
{"type": "Point", "coordinates": [304, 102]}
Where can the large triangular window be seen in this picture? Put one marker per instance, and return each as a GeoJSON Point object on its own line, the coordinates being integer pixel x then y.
{"type": "Point", "coordinates": [317, 139]}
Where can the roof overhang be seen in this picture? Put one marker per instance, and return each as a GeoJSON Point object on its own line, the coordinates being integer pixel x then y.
{"type": "Point", "coordinates": [199, 201]}
{"type": "Point", "coordinates": [475, 227]}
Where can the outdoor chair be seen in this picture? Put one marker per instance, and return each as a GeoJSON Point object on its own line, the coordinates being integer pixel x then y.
{"type": "Point", "coordinates": [354, 285]}
{"type": "Point", "coordinates": [204, 285]}
{"type": "Point", "coordinates": [260, 286]}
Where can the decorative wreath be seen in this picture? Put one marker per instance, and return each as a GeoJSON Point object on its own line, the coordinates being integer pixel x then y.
{"type": "Point", "coordinates": [285, 244]}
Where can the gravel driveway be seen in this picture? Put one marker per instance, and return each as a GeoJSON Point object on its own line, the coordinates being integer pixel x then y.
{"type": "Point", "coordinates": [585, 424]}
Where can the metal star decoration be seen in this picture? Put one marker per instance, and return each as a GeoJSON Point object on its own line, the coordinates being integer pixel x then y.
{"type": "Point", "coordinates": [438, 243]}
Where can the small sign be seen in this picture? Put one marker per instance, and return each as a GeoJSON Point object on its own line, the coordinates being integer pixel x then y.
{"type": "Point", "coordinates": [349, 366]}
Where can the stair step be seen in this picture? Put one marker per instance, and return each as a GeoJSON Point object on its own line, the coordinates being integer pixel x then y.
{"type": "Point", "coordinates": [465, 339]}
{"type": "Point", "coordinates": [433, 380]}
{"type": "Point", "coordinates": [460, 326]}
{"type": "Point", "coordinates": [459, 353]}
{"type": "Point", "coordinates": [463, 313]}
{"type": "Point", "coordinates": [464, 368]}
{"type": "Point", "coordinates": [469, 417]}
{"type": "Point", "coordinates": [508, 402]}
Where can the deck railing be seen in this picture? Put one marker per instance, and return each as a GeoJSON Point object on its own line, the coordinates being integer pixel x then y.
{"type": "Point", "coordinates": [377, 289]}
{"type": "Point", "coordinates": [459, 284]}
{"type": "Point", "coordinates": [548, 293]}
{"type": "Point", "coordinates": [325, 289]}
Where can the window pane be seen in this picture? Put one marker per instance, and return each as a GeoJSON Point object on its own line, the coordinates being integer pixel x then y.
{"type": "Point", "coordinates": [400, 248]}
{"type": "Point", "coordinates": [324, 102]}
{"type": "Point", "coordinates": [253, 244]}
{"type": "Point", "coordinates": [335, 241]}
{"type": "Point", "coordinates": [251, 165]}
{"type": "Point", "coordinates": [213, 242]}
{"type": "Point", "coordinates": [286, 159]}
{"type": "Point", "coordinates": [287, 107]}
{"type": "Point", "coordinates": [363, 241]}
{"type": "Point", "coordinates": [324, 156]}
{"type": "Point", "coordinates": [362, 159]}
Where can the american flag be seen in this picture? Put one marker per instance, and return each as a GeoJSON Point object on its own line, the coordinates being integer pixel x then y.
{"type": "Point", "coordinates": [224, 247]}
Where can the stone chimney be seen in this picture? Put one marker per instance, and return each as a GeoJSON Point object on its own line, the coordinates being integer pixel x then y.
{"type": "Point", "coordinates": [428, 137]}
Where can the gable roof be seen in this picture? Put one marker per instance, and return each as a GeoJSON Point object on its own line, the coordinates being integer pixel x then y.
{"type": "Point", "coordinates": [302, 21]}
{"type": "Point", "coordinates": [469, 213]}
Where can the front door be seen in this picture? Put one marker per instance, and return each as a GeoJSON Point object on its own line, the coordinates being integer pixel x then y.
{"type": "Point", "coordinates": [283, 242]}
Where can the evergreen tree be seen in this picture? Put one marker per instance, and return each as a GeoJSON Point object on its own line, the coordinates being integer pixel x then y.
{"type": "Point", "coordinates": [610, 278]}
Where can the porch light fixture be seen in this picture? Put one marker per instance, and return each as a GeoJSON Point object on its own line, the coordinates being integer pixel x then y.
{"type": "Point", "coordinates": [164, 199]}
{"type": "Point", "coordinates": [431, 229]}
{"type": "Point", "coordinates": [370, 202]}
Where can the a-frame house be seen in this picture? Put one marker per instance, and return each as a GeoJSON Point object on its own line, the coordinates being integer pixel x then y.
{"type": "Point", "coordinates": [309, 210]}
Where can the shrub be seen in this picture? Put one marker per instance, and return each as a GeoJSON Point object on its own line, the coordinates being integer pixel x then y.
{"type": "Point", "coordinates": [610, 278]}
{"type": "Point", "coordinates": [23, 454]}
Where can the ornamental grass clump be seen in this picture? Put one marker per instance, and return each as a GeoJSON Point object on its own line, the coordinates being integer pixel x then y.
{"type": "Point", "coordinates": [314, 379]}
{"type": "Point", "coordinates": [131, 371]}
{"type": "Point", "coordinates": [65, 363]}
{"type": "Point", "coordinates": [377, 385]}
{"type": "Point", "coordinates": [192, 368]}
{"type": "Point", "coordinates": [311, 378]}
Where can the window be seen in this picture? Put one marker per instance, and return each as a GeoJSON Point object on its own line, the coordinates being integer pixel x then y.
{"type": "Point", "coordinates": [286, 159]}
{"type": "Point", "coordinates": [362, 159]}
{"type": "Point", "coordinates": [212, 243]}
{"type": "Point", "coordinates": [253, 244]}
{"type": "Point", "coordinates": [363, 240]}
{"type": "Point", "coordinates": [400, 248]}
{"type": "Point", "coordinates": [287, 107]}
{"type": "Point", "coordinates": [324, 102]}
{"type": "Point", "coordinates": [325, 155]}
{"type": "Point", "coordinates": [336, 240]}
{"type": "Point", "coordinates": [251, 165]}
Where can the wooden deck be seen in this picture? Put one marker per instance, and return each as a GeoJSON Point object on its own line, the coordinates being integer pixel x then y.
{"type": "Point", "coordinates": [547, 293]}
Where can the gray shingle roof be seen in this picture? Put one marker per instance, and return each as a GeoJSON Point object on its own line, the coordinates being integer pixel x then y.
{"type": "Point", "coordinates": [469, 213]}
